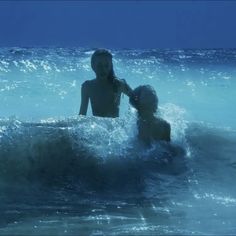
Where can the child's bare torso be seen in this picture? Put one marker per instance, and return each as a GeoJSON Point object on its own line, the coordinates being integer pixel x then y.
{"type": "Point", "coordinates": [104, 98]}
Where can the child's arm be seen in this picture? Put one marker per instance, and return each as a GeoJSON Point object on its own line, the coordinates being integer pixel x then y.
{"type": "Point", "coordinates": [167, 131]}
{"type": "Point", "coordinates": [84, 99]}
{"type": "Point", "coordinates": [125, 88]}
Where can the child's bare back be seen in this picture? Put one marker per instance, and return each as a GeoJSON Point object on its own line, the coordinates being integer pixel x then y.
{"type": "Point", "coordinates": [156, 129]}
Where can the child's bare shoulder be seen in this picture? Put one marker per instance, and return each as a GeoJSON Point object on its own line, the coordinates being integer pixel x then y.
{"type": "Point", "coordinates": [162, 124]}
{"type": "Point", "coordinates": [88, 84]}
{"type": "Point", "coordinates": [162, 128]}
{"type": "Point", "coordinates": [121, 83]}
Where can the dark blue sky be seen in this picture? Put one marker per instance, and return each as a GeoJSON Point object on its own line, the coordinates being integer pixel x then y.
{"type": "Point", "coordinates": [119, 24]}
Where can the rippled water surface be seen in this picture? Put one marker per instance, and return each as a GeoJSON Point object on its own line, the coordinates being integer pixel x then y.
{"type": "Point", "coordinates": [61, 174]}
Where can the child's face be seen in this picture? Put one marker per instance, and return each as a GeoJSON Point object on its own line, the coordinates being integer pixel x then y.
{"type": "Point", "coordinates": [102, 66]}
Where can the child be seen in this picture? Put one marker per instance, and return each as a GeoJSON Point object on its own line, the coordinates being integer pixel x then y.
{"type": "Point", "coordinates": [150, 127]}
{"type": "Point", "coordinates": [105, 90]}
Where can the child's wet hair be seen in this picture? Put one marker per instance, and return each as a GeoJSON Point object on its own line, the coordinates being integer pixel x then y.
{"type": "Point", "coordinates": [106, 53]}
{"type": "Point", "coordinates": [100, 52]}
{"type": "Point", "coordinates": [135, 97]}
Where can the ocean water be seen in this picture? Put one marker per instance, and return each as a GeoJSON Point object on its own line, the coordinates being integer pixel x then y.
{"type": "Point", "coordinates": [61, 174]}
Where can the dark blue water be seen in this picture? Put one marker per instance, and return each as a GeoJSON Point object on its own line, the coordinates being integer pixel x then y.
{"type": "Point", "coordinates": [61, 174]}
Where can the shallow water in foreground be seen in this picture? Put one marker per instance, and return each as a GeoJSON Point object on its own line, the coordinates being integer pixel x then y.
{"type": "Point", "coordinates": [65, 175]}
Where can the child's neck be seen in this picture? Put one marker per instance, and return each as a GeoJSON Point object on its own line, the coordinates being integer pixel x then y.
{"type": "Point", "coordinates": [101, 78]}
{"type": "Point", "coordinates": [146, 115]}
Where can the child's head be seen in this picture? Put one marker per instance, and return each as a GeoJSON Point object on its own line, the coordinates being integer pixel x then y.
{"type": "Point", "coordinates": [101, 63]}
{"type": "Point", "coordinates": [144, 99]}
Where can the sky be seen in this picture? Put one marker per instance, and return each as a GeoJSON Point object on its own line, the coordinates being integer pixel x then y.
{"type": "Point", "coordinates": [118, 24]}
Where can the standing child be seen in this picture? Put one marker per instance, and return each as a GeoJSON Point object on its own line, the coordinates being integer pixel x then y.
{"type": "Point", "coordinates": [103, 92]}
